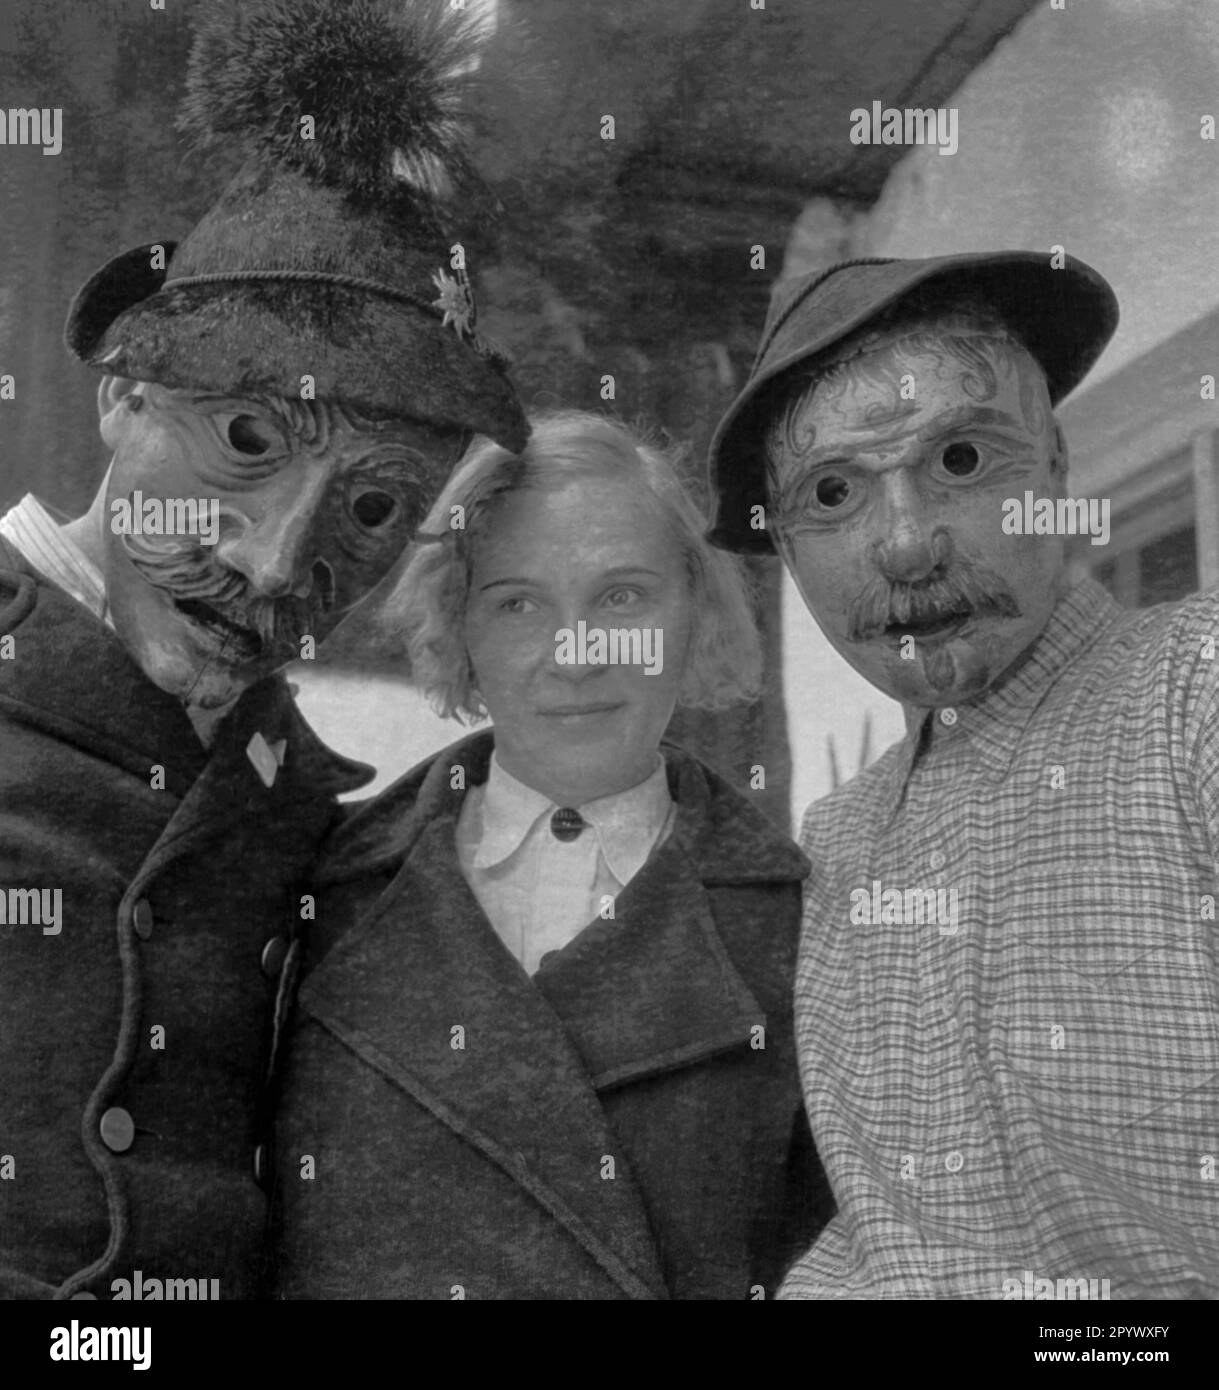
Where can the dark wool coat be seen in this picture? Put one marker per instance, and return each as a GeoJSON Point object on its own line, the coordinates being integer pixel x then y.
{"type": "Point", "coordinates": [176, 908]}
{"type": "Point", "coordinates": [627, 1124]}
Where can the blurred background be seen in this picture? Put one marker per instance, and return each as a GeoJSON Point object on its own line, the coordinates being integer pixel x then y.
{"type": "Point", "coordinates": [1079, 126]}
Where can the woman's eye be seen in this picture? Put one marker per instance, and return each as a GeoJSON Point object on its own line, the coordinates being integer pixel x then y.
{"type": "Point", "coordinates": [832, 492]}
{"type": "Point", "coordinates": [373, 508]}
{"type": "Point", "coordinates": [620, 598]}
{"type": "Point", "coordinates": [962, 460]}
{"type": "Point", "coordinates": [519, 604]}
{"type": "Point", "coordinates": [249, 435]}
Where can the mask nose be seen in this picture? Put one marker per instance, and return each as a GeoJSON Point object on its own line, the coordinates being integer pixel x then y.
{"type": "Point", "coordinates": [278, 551]}
{"type": "Point", "coordinates": [911, 547]}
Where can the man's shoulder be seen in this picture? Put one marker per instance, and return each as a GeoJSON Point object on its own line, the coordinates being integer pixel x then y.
{"type": "Point", "coordinates": [838, 817]}
{"type": "Point", "coordinates": [1164, 647]}
{"type": "Point", "coordinates": [18, 587]}
{"type": "Point", "coordinates": [376, 833]}
{"type": "Point", "coordinates": [727, 835]}
{"type": "Point", "coordinates": [47, 639]}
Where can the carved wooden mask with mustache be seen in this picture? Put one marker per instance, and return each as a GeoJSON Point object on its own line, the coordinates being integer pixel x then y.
{"type": "Point", "coordinates": [315, 506]}
{"type": "Point", "coordinates": [887, 477]}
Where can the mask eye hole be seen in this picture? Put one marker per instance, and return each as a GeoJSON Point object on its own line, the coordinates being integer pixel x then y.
{"type": "Point", "coordinates": [961, 460]}
{"type": "Point", "coordinates": [250, 436]}
{"type": "Point", "coordinates": [373, 508]}
{"type": "Point", "coordinates": [832, 492]}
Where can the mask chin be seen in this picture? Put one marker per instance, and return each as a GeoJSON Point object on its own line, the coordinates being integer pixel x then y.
{"type": "Point", "coordinates": [161, 643]}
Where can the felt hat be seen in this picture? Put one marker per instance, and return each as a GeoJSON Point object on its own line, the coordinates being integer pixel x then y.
{"type": "Point", "coordinates": [1064, 315]}
{"type": "Point", "coordinates": [331, 264]}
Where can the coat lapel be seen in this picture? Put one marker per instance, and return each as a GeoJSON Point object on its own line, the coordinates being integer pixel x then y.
{"type": "Point", "coordinates": [425, 962]}
{"type": "Point", "coordinates": [654, 988]}
{"type": "Point", "coordinates": [229, 797]}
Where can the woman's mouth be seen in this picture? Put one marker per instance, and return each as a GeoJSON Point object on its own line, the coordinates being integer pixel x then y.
{"type": "Point", "coordinates": [579, 711]}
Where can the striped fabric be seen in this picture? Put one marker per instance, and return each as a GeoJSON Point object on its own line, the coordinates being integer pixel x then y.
{"type": "Point", "coordinates": [1020, 1083]}
{"type": "Point", "coordinates": [41, 539]}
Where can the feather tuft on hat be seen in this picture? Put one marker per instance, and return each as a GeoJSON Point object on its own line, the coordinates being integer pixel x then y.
{"type": "Point", "coordinates": [383, 82]}
{"type": "Point", "coordinates": [331, 257]}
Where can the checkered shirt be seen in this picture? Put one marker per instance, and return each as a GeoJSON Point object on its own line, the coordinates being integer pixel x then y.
{"type": "Point", "coordinates": [1028, 1088]}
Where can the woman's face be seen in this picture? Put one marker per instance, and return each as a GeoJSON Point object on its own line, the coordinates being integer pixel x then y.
{"type": "Point", "coordinates": [567, 577]}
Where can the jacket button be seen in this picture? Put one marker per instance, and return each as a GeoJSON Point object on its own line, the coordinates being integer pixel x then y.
{"type": "Point", "coordinates": [142, 917]}
{"type": "Point", "coordinates": [261, 1165]}
{"type": "Point", "coordinates": [274, 953]}
{"type": "Point", "coordinates": [117, 1130]}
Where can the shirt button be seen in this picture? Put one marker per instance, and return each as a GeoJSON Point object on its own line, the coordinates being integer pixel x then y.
{"type": "Point", "coordinates": [937, 859]}
{"type": "Point", "coordinates": [117, 1130]}
{"type": "Point", "coordinates": [142, 918]}
{"type": "Point", "coordinates": [948, 717]}
{"type": "Point", "coordinates": [274, 954]}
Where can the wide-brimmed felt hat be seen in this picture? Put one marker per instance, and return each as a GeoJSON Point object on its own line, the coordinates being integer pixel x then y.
{"type": "Point", "coordinates": [1064, 314]}
{"type": "Point", "coordinates": [326, 269]}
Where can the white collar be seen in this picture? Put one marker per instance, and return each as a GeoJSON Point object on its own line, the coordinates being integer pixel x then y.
{"type": "Point", "coordinates": [31, 528]}
{"type": "Point", "coordinates": [627, 824]}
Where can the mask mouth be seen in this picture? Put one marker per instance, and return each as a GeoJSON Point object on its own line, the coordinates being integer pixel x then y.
{"type": "Point", "coordinates": [930, 610]}
{"type": "Point", "coordinates": [220, 606]}
{"type": "Point", "coordinates": [929, 626]}
{"type": "Point", "coordinates": [242, 642]}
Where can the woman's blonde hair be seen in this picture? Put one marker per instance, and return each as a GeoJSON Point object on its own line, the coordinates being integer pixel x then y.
{"type": "Point", "coordinates": [724, 656]}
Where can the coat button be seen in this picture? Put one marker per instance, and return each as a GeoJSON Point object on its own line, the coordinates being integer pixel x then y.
{"type": "Point", "coordinates": [142, 917]}
{"type": "Point", "coordinates": [261, 1164]}
{"type": "Point", "coordinates": [84, 1293]}
{"type": "Point", "coordinates": [274, 954]}
{"type": "Point", "coordinates": [117, 1130]}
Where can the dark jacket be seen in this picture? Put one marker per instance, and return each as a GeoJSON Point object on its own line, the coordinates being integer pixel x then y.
{"type": "Point", "coordinates": [170, 899]}
{"type": "Point", "coordinates": [627, 1124]}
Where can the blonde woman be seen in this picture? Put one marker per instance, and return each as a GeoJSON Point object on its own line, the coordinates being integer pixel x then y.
{"type": "Point", "coordinates": [544, 1046]}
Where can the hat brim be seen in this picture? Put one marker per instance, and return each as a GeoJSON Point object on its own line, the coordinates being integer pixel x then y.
{"type": "Point", "coordinates": [1064, 316]}
{"type": "Point", "coordinates": [380, 356]}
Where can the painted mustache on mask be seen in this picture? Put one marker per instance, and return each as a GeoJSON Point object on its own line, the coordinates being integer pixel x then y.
{"type": "Point", "coordinates": [187, 572]}
{"type": "Point", "coordinates": [964, 589]}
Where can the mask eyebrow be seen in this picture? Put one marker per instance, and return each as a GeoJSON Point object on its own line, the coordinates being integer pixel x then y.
{"type": "Point", "coordinates": [963, 415]}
